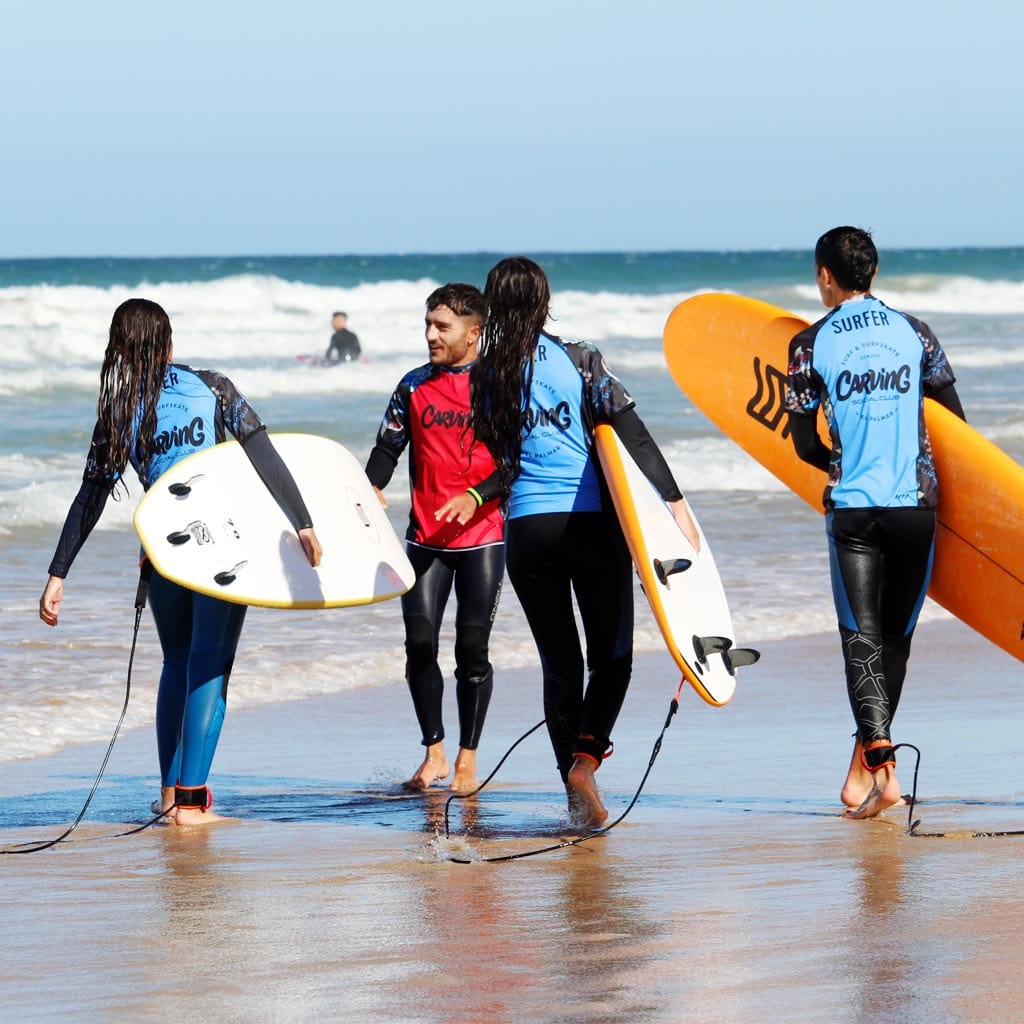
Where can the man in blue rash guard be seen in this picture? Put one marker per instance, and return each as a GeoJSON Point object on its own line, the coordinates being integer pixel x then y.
{"type": "Point", "coordinates": [152, 414]}
{"type": "Point", "coordinates": [868, 367]}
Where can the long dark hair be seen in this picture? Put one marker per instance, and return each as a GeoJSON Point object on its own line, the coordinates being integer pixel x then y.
{"type": "Point", "coordinates": [138, 350]}
{"type": "Point", "coordinates": [518, 300]}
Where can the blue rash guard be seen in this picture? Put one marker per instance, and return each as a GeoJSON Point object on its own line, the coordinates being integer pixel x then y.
{"type": "Point", "coordinates": [869, 366]}
{"type": "Point", "coordinates": [570, 390]}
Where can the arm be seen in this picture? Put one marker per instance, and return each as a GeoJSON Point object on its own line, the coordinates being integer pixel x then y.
{"type": "Point", "coordinates": [647, 455]}
{"type": "Point", "coordinates": [392, 437]}
{"type": "Point", "coordinates": [281, 484]}
{"type": "Point", "coordinates": [948, 398]}
{"type": "Point", "coordinates": [463, 506]}
{"type": "Point", "coordinates": [83, 515]}
{"type": "Point", "coordinates": [804, 432]}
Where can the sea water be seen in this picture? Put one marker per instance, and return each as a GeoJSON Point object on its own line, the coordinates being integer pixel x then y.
{"type": "Point", "coordinates": [252, 318]}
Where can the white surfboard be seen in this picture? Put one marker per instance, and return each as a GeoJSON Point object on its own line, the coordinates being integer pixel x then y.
{"type": "Point", "coordinates": [682, 585]}
{"type": "Point", "coordinates": [210, 524]}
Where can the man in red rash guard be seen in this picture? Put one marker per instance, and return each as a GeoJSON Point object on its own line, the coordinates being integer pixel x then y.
{"type": "Point", "coordinates": [455, 529]}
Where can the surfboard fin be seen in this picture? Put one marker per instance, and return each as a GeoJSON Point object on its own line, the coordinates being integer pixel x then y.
{"type": "Point", "coordinates": [183, 490]}
{"type": "Point", "coordinates": [179, 537]}
{"type": "Point", "coordinates": [740, 656]}
{"type": "Point", "coordinates": [668, 568]}
{"type": "Point", "coordinates": [223, 579]}
{"type": "Point", "coordinates": [705, 645]}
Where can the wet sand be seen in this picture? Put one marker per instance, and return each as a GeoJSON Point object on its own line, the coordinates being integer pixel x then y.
{"type": "Point", "coordinates": [732, 892]}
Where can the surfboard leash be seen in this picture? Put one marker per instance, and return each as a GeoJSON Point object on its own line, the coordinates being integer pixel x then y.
{"type": "Point", "coordinates": [141, 594]}
{"type": "Point", "coordinates": [912, 825]}
{"type": "Point", "coordinates": [673, 708]}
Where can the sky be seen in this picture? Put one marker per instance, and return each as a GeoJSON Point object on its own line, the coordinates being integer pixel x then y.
{"type": "Point", "coordinates": [217, 127]}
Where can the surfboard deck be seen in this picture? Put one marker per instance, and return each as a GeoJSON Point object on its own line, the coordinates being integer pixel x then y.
{"type": "Point", "coordinates": [210, 524]}
{"type": "Point", "coordinates": [729, 355]}
{"type": "Point", "coordinates": [682, 585]}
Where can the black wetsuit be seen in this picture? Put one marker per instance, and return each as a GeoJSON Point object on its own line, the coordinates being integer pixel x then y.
{"type": "Point", "coordinates": [344, 347]}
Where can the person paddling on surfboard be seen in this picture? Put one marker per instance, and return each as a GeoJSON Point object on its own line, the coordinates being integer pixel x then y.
{"type": "Point", "coordinates": [868, 367]}
{"type": "Point", "coordinates": [455, 529]}
{"type": "Point", "coordinates": [152, 413]}
{"type": "Point", "coordinates": [536, 400]}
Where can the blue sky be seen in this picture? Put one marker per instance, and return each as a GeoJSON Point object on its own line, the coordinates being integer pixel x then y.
{"type": "Point", "coordinates": [221, 127]}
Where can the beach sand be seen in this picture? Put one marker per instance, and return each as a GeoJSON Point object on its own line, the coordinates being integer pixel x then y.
{"type": "Point", "coordinates": [732, 892]}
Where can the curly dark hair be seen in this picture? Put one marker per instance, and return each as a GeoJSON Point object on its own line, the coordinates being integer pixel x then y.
{"type": "Point", "coordinates": [131, 379]}
{"type": "Point", "coordinates": [518, 300]}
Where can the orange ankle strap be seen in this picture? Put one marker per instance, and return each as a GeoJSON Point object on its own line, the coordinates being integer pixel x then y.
{"type": "Point", "coordinates": [880, 754]}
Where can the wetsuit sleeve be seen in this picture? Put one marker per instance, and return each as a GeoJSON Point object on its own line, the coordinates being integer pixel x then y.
{"type": "Point", "coordinates": [809, 446]}
{"type": "Point", "coordinates": [236, 414]}
{"type": "Point", "coordinates": [83, 515]}
{"type": "Point", "coordinates": [936, 374]}
{"type": "Point", "coordinates": [87, 507]}
{"type": "Point", "coordinates": [949, 398]}
{"type": "Point", "coordinates": [392, 438]}
{"type": "Point", "coordinates": [490, 488]}
{"type": "Point", "coordinates": [277, 477]}
{"type": "Point", "coordinates": [646, 454]}
{"type": "Point", "coordinates": [802, 401]}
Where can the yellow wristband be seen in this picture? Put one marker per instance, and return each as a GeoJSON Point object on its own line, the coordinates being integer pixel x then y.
{"type": "Point", "coordinates": [472, 491]}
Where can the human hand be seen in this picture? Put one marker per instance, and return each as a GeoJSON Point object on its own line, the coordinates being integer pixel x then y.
{"type": "Point", "coordinates": [681, 514]}
{"type": "Point", "coordinates": [49, 603]}
{"type": "Point", "coordinates": [460, 508]}
{"type": "Point", "coordinates": [310, 544]}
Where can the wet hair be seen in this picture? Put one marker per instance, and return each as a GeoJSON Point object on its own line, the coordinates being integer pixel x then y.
{"type": "Point", "coordinates": [518, 299]}
{"type": "Point", "coordinates": [131, 379]}
{"type": "Point", "coordinates": [850, 256]}
{"type": "Point", "coordinates": [461, 299]}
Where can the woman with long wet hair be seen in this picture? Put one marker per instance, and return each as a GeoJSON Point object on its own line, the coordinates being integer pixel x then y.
{"type": "Point", "coordinates": [536, 399]}
{"type": "Point", "coordinates": [152, 413]}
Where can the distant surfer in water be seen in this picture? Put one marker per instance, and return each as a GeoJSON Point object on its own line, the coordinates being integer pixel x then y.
{"type": "Point", "coordinates": [344, 346]}
{"type": "Point", "coordinates": [152, 413]}
{"type": "Point", "coordinates": [536, 400]}
{"type": "Point", "coordinates": [868, 367]}
{"type": "Point", "coordinates": [455, 529]}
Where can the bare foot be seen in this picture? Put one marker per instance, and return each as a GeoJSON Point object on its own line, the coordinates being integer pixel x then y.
{"type": "Point", "coordinates": [465, 780]}
{"type": "Point", "coordinates": [434, 767]}
{"type": "Point", "coordinates": [195, 816]}
{"type": "Point", "coordinates": [858, 779]}
{"type": "Point", "coordinates": [883, 794]}
{"type": "Point", "coordinates": [166, 801]}
{"type": "Point", "coordinates": [585, 807]}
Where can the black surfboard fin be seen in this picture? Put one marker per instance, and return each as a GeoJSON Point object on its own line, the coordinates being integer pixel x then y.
{"type": "Point", "coordinates": [179, 537]}
{"type": "Point", "coordinates": [664, 569]}
{"type": "Point", "coordinates": [705, 645]}
{"type": "Point", "coordinates": [223, 579]}
{"type": "Point", "coordinates": [737, 657]}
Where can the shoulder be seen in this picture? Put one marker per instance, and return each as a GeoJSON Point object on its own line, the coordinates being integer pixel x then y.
{"type": "Point", "coordinates": [414, 378]}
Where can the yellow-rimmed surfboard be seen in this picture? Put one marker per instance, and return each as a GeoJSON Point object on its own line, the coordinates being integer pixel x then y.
{"type": "Point", "coordinates": [682, 585]}
{"type": "Point", "coordinates": [729, 355]}
{"type": "Point", "coordinates": [210, 524]}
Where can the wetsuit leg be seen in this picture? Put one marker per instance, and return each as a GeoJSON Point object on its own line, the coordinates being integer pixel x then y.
{"type": "Point", "coordinates": [880, 561]}
{"type": "Point", "coordinates": [540, 576]}
{"type": "Point", "coordinates": [212, 629]}
{"type": "Point", "coordinates": [422, 610]}
{"type": "Point", "coordinates": [478, 577]}
{"type": "Point", "coordinates": [603, 584]}
{"type": "Point", "coordinates": [549, 556]}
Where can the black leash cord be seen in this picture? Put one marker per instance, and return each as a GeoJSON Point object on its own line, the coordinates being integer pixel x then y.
{"type": "Point", "coordinates": [912, 824]}
{"type": "Point", "coordinates": [673, 708]}
{"type": "Point", "coordinates": [140, 604]}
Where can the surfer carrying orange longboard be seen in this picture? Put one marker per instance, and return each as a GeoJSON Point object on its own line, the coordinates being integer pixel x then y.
{"type": "Point", "coordinates": [868, 367]}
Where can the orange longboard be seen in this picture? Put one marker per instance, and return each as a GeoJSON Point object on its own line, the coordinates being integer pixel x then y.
{"type": "Point", "coordinates": [729, 354]}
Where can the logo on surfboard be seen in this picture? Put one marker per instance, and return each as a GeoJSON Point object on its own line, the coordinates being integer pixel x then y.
{"type": "Point", "coordinates": [767, 405]}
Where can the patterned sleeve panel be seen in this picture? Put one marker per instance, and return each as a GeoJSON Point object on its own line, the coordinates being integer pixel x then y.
{"type": "Point", "coordinates": [236, 414]}
{"type": "Point", "coordinates": [605, 396]}
{"type": "Point", "coordinates": [393, 435]}
{"type": "Point", "coordinates": [936, 373]}
{"type": "Point", "coordinates": [802, 394]}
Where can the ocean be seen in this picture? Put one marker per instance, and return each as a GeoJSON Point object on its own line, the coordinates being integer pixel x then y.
{"type": "Point", "coordinates": [253, 317]}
